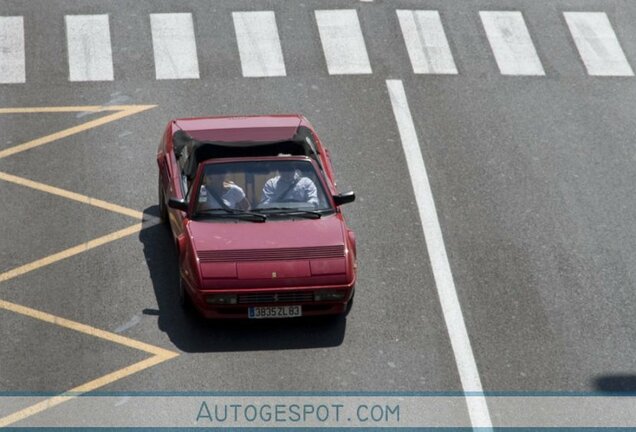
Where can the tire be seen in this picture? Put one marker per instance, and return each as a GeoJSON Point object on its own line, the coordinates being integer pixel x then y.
{"type": "Point", "coordinates": [339, 317]}
{"type": "Point", "coordinates": [190, 311]}
{"type": "Point", "coordinates": [163, 209]}
{"type": "Point", "coordinates": [184, 298]}
{"type": "Point", "coordinates": [349, 304]}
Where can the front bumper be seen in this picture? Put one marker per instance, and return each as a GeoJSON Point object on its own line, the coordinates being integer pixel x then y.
{"type": "Point", "coordinates": [240, 311]}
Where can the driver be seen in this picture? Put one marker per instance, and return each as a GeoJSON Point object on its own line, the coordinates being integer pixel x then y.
{"type": "Point", "coordinates": [217, 187]}
{"type": "Point", "coordinates": [289, 186]}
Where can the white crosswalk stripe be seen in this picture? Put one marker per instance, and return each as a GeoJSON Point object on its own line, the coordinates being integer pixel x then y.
{"type": "Point", "coordinates": [259, 44]}
{"type": "Point", "coordinates": [511, 43]}
{"type": "Point", "coordinates": [597, 44]}
{"type": "Point", "coordinates": [174, 46]}
{"type": "Point", "coordinates": [12, 64]}
{"type": "Point", "coordinates": [342, 42]}
{"type": "Point", "coordinates": [259, 47]}
{"type": "Point", "coordinates": [90, 56]}
{"type": "Point", "coordinates": [426, 42]}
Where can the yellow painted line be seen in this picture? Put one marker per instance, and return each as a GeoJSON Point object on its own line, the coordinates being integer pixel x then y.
{"type": "Point", "coordinates": [159, 355]}
{"type": "Point", "coordinates": [71, 195]}
{"type": "Point", "coordinates": [42, 262]}
{"type": "Point", "coordinates": [123, 111]}
{"type": "Point", "coordinates": [86, 329]}
{"type": "Point", "coordinates": [84, 388]}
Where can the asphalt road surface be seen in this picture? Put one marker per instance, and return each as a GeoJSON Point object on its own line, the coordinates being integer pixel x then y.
{"type": "Point", "coordinates": [529, 151]}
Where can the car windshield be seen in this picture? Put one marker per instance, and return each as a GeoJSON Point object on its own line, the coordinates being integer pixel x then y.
{"type": "Point", "coordinates": [273, 188]}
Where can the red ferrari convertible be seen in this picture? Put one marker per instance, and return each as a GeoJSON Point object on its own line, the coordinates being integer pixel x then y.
{"type": "Point", "coordinates": [255, 216]}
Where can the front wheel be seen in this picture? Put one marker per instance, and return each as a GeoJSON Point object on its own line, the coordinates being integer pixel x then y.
{"type": "Point", "coordinates": [184, 298]}
{"type": "Point", "coordinates": [349, 305]}
{"type": "Point", "coordinates": [163, 209]}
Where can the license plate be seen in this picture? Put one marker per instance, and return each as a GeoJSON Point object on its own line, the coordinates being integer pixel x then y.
{"type": "Point", "coordinates": [257, 312]}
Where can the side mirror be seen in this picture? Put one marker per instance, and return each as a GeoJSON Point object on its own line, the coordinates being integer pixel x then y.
{"type": "Point", "coordinates": [344, 198]}
{"type": "Point", "coordinates": [178, 204]}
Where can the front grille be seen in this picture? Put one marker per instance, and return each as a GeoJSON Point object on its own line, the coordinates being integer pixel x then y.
{"type": "Point", "coordinates": [288, 297]}
{"type": "Point", "coordinates": [238, 255]}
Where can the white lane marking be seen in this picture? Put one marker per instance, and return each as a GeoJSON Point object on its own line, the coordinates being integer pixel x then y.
{"type": "Point", "coordinates": [597, 44]}
{"type": "Point", "coordinates": [426, 42]}
{"type": "Point", "coordinates": [174, 46]}
{"type": "Point", "coordinates": [90, 56]}
{"type": "Point", "coordinates": [12, 63]}
{"type": "Point", "coordinates": [511, 43]}
{"type": "Point", "coordinates": [451, 309]}
{"type": "Point", "coordinates": [259, 44]}
{"type": "Point", "coordinates": [342, 42]}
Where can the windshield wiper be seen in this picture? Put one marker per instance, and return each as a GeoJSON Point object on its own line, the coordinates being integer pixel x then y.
{"type": "Point", "coordinates": [230, 212]}
{"type": "Point", "coordinates": [291, 212]}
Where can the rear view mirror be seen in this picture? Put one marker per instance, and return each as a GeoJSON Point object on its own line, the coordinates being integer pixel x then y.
{"type": "Point", "coordinates": [178, 204]}
{"type": "Point", "coordinates": [344, 198]}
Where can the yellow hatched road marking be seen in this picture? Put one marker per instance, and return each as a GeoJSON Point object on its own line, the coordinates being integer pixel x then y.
{"type": "Point", "coordinates": [83, 328]}
{"type": "Point", "coordinates": [42, 262]}
{"type": "Point", "coordinates": [78, 391]}
{"type": "Point", "coordinates": [71, 195]}
{"type": "Point", "coordinates": [121, 111]}
{"type": "Point", "coordinates": [159, 355]}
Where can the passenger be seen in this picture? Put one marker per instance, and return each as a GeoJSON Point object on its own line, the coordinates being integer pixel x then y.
{"type": "Point", "coordinates": [216, 186]}
{"type": "Point", "coordinates": [289, 186]}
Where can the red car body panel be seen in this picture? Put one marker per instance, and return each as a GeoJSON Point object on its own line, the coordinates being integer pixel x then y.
{"type": "Point", "coordinates": [276, 263]}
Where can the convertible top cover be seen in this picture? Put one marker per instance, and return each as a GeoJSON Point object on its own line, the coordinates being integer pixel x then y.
{"type": "Point", "coordinates": [191, 152]}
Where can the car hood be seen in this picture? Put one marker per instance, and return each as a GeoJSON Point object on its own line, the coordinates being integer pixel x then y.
{"type": "Point", "coordinates": [273, 234]}
{"type": "Point", "coordinates": [274, 253]}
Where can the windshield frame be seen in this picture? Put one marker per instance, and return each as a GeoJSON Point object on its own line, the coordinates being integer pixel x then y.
{"type": "Point", "coordinates": [322, 186]}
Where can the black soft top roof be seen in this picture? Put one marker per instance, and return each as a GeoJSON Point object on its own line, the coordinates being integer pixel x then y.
{"type": "Point", "coordinates": [191, 152]}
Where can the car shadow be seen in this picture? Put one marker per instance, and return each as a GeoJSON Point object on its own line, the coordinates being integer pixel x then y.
{"type": "Point", "coordinates": [192, 334]}
{"type": "Point", "coordinates": [617, 383]}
